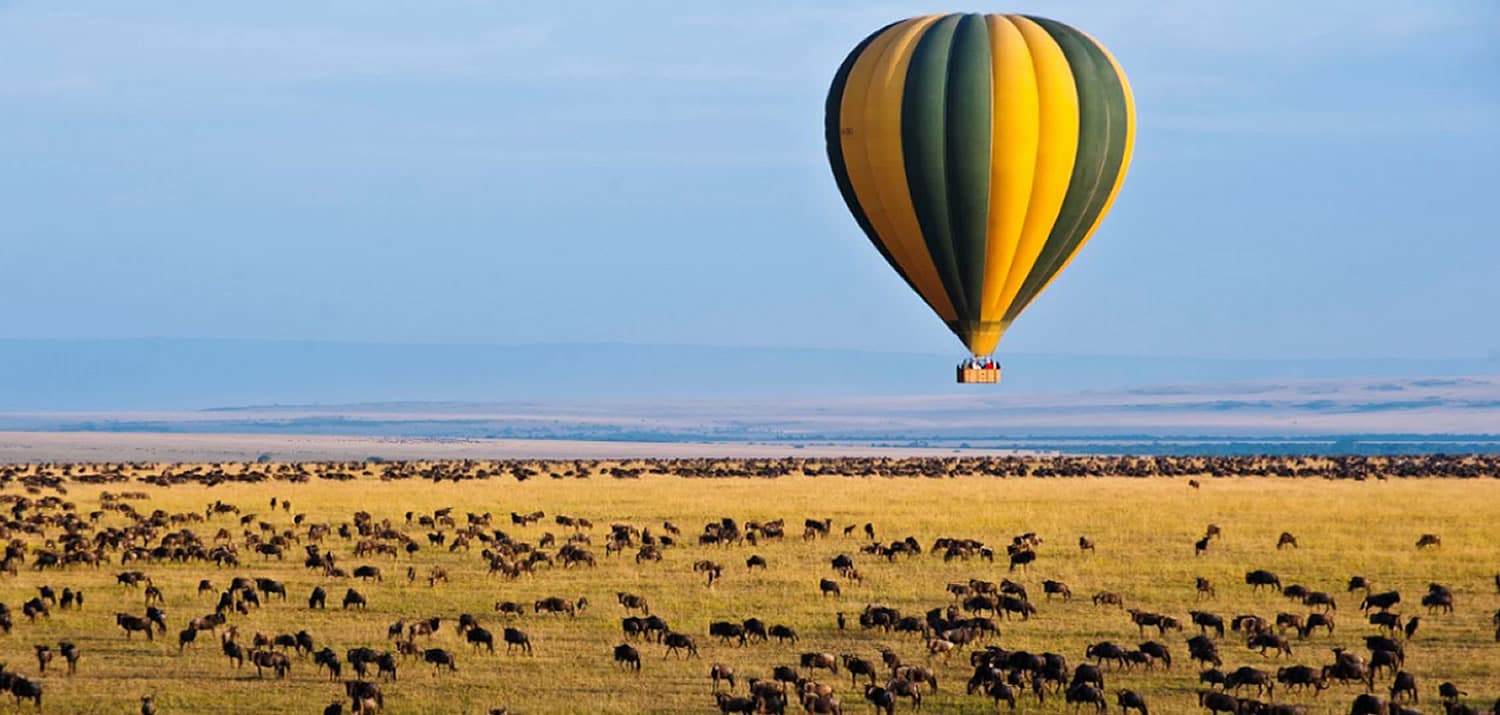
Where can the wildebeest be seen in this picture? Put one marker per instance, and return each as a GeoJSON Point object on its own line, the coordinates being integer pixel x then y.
{"type": "Point", "coordinates": [354, 598]}
{"type": "Point", "coordinates": [1427, 540]}
{"type": "Point", "coordinates": [1269, 641]}
{"type": "Point", "coordinates": [1286, 539]}
{"type": "Point", "coordinates": [277, 662]}
{"type": "Point", "coordinates": [440, 659]}
{"type": "Point", "coordinates": [515, 638]}
{"type": "Point", "coordinates": [132, 624]}
{"type": "Point", "coordinates": [1023, 558]}
{"type": "Point", "coordinates": [1085, 544]}
{"type": "Point", "coordinates": [825, 661]}
{"type": "Point", "coordinates": [683, 642]}
{"type": "Point", "coordinates": [318, 599]}
{"type": "Point", "coordinates": [1217, 702]}
{"type": "Point", "coordinates": [734, 704]}
{"type": "Point", "coordinates": [719, 672]}
{"type": "Point", "coordinates": [829, 586]}
{"type": "Point", "coordinates": [477, 637]}
{"type": "Point", "coordinates": [1297, 677]}
{"type": "Point", "coordinates": [1080, 694]}
{"type": "Point", "coordinates": [1108, 598]}
{"type": "Point", "coordinates": [1383, 601]}
{"type": "Point", "coordinates": [1204, 621]}
{"type": "Point", "coordinates": [1057, 587]}
{"type": "Point", "coordinates": [1404, 684]}
{"type": "Point", "coordinates": [1261, 577]}
{"type": "Point", "coordinates": [856, 667]}
{"type": "Point", "coordinates": [783, 633]}
{"type": "Point", "coordinates": [1241, 677]}
{"type": "Point", "coordinates": [1438, 601]}
{"type": "Point", "coordinates": [1130, 700]}
{"type": "Point", "coordinates": [725, 630]}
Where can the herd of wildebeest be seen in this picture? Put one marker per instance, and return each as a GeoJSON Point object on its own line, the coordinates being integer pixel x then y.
{"type": "Point", "coordinates": [47, 532]}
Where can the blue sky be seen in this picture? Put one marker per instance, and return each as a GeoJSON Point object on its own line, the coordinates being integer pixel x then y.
{"type": "Point", "coordinates": [1310, 180]}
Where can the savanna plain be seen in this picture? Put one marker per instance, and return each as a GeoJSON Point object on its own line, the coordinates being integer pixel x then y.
{"type": "Point", "coordinates": [1143, 531]}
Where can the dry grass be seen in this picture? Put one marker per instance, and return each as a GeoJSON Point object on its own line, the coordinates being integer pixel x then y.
{"type": "Point", "coordinates": [1144, 530]}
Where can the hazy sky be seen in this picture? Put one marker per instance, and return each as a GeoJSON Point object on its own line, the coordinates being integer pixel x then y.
{"type": "Point", "coordinates": [1310, 179]}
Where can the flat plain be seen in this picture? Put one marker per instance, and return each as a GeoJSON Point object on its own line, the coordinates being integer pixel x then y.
{"type": "Point", "coordinates": [1143, 528]}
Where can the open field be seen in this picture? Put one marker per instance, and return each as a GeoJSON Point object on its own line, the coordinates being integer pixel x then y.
{"type": "Point", "coordinates": [1144, 530]}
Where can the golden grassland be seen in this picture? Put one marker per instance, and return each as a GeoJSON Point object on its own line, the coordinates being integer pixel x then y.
{"type": "Point", "coordinates": [1144, 529]}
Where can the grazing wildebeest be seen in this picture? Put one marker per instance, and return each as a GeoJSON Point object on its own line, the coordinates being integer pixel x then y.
{"type": "Point", "coordinates": [1286, 539]}
{"type": "Point", "coordinates": [1319, 598]}
{"type": "Point", "coordinates": [1130, 700]}
{"type": "Point", "coordinates": [1367, 704]}
{"type": "Point", "coordinates": [881, 699]}
{"type": "Point", "coordinates": [277, 662]}
{"type": "Point", "coordinates": [1316, 620]}
{"type": "Point", "coordinates": [1427, 540]}
{"type": "Point", "coordinates": [21, 688]}
{"type": "Point", "coordinates": [1205, 588]}
{"type": "Point", "coordinates": [725, 630]}
{"type": "Point", "coordinates": [354, 598]}
{"type": "Point", "coordinates": [783, 633]}
{"type": "Point", "coordinates": [1023, 558]}
{"type": "Point", "coordinates": [134, 623]}
{"type": "Point", "coordinates": [555, 604]}
{"type": "Point", "coordinates": [755, 561]}
{"type": "Point", "coordinates": [1216, 702]}
{"type": "Point", "coordinates": [829, 586]}
{"type": "Point", "coordinates": [1261, 577]}
{"type": "Point", "coordinates": [1297, 677]}
{"type": "Point", "coordinates": [1404, 683]}
{"type": "Point", "coordinates": [1157, 651]}
{"type": "Point", "coordinates": [734, 704]}
{"type": "Point", "coordinates": [1246, 675]}
{"type": "Point", "coordinates": [362, 693]}
{"type": "Point", "coordinates": [1081, 694]}
{"type": "Point", "coordinates": [679, 642]}
{"type": "Point", "coordinates": [826, 661]}
{"type": "Point", "coordinates": [1204, 621]}
{"type": "Point", "coordinates": [1108, 598]}
{"type": "Point", "coordinates": [515, 638]}
{"type": "Point", "coordinates": [1438, 602]}
{"type": "Point", "coordinates": [477, 637]}
{"type": "Point", "coordinates": [326, 658]}
{"type": "Point", "coordinates": [1106, 650]}
{"type": "Point", "coordinates": [1269, 641]}
{"type": "Point", "coordinates": [1383, 601]}
{"type": "Point", "coordinates": [440, 659]}
{"type": "Point", "coordinates": [999, 690]}
{"type": "Point", "coordinates": [318, 599]}
{"type": "Point", "coordinates": [719, 672]}
{"type": "Point", "coordinates": [1057, 587]}
{"type": "Point", "coordinates": [1012, 604]}
{"type": "Point", "coordinates": [1386, 620]}
{"type": "Point", "coordinates": [632, 602]}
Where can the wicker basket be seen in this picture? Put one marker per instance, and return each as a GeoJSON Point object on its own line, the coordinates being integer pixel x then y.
{"type": "Point", "coordinates": [978, 376]}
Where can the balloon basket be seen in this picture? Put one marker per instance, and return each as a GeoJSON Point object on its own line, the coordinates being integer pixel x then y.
{"type": "Point", "coordinates": [978, 375]}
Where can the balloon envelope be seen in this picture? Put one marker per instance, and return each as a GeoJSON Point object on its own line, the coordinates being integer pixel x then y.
{"type": "Point", "coordinates": [979, 153]}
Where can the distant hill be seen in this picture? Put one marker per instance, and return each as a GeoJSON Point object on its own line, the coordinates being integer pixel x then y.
{"type": "Point", "coordinates": [160, 374]}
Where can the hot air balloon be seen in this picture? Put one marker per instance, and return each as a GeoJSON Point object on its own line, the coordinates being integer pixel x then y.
{"type": "Point", "coordinates": [979, 153]}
